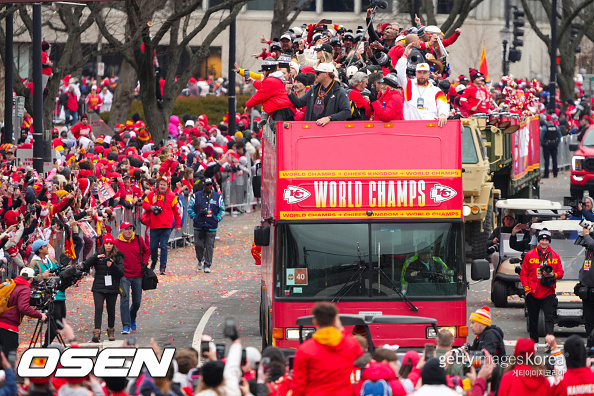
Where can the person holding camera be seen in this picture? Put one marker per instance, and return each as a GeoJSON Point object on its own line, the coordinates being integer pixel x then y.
{"type": "Point", "coordinates": [109, 269]}
{"type": "Point", "coordinates": [18, 307]}
{"type": "Point", "coordinates": [44, 267]}
{"type": "Point", "coordinates": [162, 204]}
{"type": "Point", "coordinates": [488, 336]}
{"type": "Point", "coordinates": [206, 208]}
{"type": "Point", "coordinates": [541, 269]}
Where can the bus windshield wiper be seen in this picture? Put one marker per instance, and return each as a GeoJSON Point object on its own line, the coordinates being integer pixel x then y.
{"type": "Point", "coordinates": [397, 289]}
{"type": "Point", "coordinates": [356, 278]}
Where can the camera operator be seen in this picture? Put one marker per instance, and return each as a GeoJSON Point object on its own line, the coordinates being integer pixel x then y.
{"type": "Point", "coordinates": [488, 336]}
{"type": "Point", "coordinates": [540, 270]}
{"type": "Point", "coordinates": [585, 288]}
{"type": "Point", "coordinates": [207, 209]}
{"type": "Point", "coordinates": [18, 307]}
{"type": "Point", "coordinates": [44, 267]}
{"type": "Point", "coordinates": [508, 223]}
{"type": "Point", "coordinates": [586, 209]}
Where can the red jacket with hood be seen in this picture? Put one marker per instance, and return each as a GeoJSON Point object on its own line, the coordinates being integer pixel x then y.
{"type": "Point", "coordinates": [168, 202]}
{"type": "Point", "coordinates": [530, 275]}
{"type": "Point", "coordinates": [377, 371]}
{"type": "Point", "coordinates": [323, 364]}
{"type": "Point", "coordinates": [388, 107]}
{"type": "Point", "coordinates": [132, 261]}
{"type": "Point", "coordinates": [19, 299]}
{"type": "Point", "coordinates": [576, 381]}
{"type": "Point", "coordinates": [520, 382]}
{"type": "Point", "coordinates": [272, 94]}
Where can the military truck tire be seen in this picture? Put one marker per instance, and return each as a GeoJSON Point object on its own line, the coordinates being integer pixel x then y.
{"type": "Point", "coordinates": [499, 294]}
{"type": "Point", "coordinates": [576, 192]}
{"type": "Point", "coordinates": [541, 324]}
{"type": "Point", "coordinates": [478, 241]}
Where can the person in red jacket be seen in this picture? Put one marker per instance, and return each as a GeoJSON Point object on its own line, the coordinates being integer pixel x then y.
{"type": "Point", "coordinates": [163, 207]}
{"type": "Point", "coordinates": [579, 378]}
{"type": "Point", "coordinates": [360, 106]}
{"type": "Point", "coordinates": [272, 94]}
{"type": "Point", "coordinates": [475, 98]}
{"type": "Point", "coordinates": [323, 364]}
{"type": "Point", "coordinates": [19, 306]}
{"type": "Point", "coordinates": [383, 367]}
{"type": "Point", "coordinates": [83, 128]}
{"type": "Point", "coordinates": [388, 106]}
{"type": "Point", "coordinates": [137, 254]}
{"type": "Point", "coordinates": [524, 377]}
{"type": "Point", "coordinates": [541, 269]}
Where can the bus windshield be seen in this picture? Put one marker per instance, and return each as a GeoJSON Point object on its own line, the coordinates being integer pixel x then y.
{"type": "Point", "coordinates": [362, 261]}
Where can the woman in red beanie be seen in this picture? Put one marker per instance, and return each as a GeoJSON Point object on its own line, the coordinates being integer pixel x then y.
{"type": "Point", "coordinates": [524, 375]}
{"type": "Point", "coordinates": [109, 269]}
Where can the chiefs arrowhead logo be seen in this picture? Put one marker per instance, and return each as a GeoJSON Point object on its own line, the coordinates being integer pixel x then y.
{"type": "Point", "coordinates": [294, 194]}
{"type": "Point", "coordinates": [441, 193]}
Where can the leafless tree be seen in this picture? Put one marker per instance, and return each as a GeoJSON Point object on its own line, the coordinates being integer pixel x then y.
{"type": "Point", "coordinates": [284, 13]}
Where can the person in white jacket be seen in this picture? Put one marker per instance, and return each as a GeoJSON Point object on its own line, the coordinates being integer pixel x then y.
{"type": "Point", "coordinates": [219, 378]}
{"type": "Point", "coordinates": [107, 98]}
{"type": "Point", "coordinates": [422, 99]}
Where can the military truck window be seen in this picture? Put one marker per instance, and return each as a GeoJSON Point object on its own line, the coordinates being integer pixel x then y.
{"type": "Point", "coordinates": [469, 154]}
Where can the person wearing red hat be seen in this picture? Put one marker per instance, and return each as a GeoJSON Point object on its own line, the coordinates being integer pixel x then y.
{"type": "Point", "coordinates": [550, 137]}
{"type": "Point", "coordinates": [488, 336]}
{"type": "Point", "coordinates": [524, 377]}
{"type": "Point", "coordinates": [162, 205]}
{"type": "Point", "coordinates": [541, 269]}
{"type": "Point", "coordinates": [109, 269]}
{"type": "Point", "coordinates": [137, 254]}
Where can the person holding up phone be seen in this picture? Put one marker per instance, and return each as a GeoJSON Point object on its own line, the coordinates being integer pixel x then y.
{"type": "Point", "coordinates": [312, 373]}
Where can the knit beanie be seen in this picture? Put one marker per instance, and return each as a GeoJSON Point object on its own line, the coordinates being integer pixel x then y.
{"type": "Point", "coordinates": [482, 315]}
{"type": "Point", "coordinates": [433, 374]}
{"type": "Point", "coordinates": [525, 347]}
{"type": "Point", "coordinates": [575, 352]}
{"type": "Point", "coordinates": [302, 78]}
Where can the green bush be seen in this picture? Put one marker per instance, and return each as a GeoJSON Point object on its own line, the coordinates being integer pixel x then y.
{"type": "Point", "coordinates": [214, 107]}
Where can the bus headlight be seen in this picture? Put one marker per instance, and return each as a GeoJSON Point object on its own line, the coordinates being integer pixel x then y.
{"type": "Point", "coordinates": [431, 331]}
{"type": "Point", "coordinates": [293, 334]}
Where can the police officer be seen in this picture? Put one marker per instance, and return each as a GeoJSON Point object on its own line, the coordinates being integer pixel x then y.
{"type": "Point", "coordinates": [541, 269]}
{"type": "Point", "coordinates": [207, 209]}
{"type": "Point", "coordinates": [550, 137]}
{"type": "Point", "coordinates": [585, 288]}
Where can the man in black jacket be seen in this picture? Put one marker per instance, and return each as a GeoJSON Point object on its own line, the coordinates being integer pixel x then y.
{"type": "Point", "coordinates": [585, 288]}
{"type": "Point", "coordinates": [488, 336]}
{"type": "Point", "coordinates": [325, 101]}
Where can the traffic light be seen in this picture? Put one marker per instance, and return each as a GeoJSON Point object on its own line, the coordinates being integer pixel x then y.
{"type": "Point", "coordinates": [518, 25]}
{"type": "Point", "coordinates": [515, 55]}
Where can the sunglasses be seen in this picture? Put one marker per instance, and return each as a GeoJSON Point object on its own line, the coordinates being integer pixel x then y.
{"type": "Point", "coordinates": [9, 153]}
{"type": "Point", "coordinates": [318, 73]}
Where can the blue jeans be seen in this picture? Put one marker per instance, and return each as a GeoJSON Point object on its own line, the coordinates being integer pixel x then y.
{"type": "Point", "coordinates": [159, 239]}
{"type": "Point", "coordinates": [71, 117]}
{"type": "Point", "coordinates": [128, 313]}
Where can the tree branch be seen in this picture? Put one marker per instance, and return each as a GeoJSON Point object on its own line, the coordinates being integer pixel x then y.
{"type": "Point", "coordinates": [176, 16]}
{"type": "Point", "coordinates": [296, 12]}
{"type": "Point", "coordinates": [533, 24]}
{"type": "Point", "coordinates": [430, 11]}
{"type": "Point", "coordinates": [566, 22]}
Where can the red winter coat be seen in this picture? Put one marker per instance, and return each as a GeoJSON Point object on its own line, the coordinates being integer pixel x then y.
{"type": "Point", "coordinates": [519, 382]}
{"type": "Point", "coordinates": [132, 264]}
{"type": "Point", "coordinates": [362, 104]}
{"type": "Point", "coordinates": [530, 275]}
{"type": "Point", "coordinates": [395, 53]}
{"type": "Point", "coordinates": [323, 364]}
{"type": "Point", "coordinates": [388, 107]}
{"type": "Point", "coordinates": [19, 299]}
{"type": "Point", "coordinates": [576, 381]}
{"type": "Point", "coordinates": [168, 202]}
{"type": "Point", "coordinates": [271, 95]}
{"type": "Point", "coordinates": [377, 371]}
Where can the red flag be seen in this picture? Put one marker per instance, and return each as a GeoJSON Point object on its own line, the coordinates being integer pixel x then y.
{"type": "Point", "coordinates": [483, 67]}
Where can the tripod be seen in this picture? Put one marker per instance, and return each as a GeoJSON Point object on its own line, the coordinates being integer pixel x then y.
{"type": "Point", "coordinates": [50, 324]}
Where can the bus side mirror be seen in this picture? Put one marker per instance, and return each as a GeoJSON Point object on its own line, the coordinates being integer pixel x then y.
{"type": "Point", "coordinates": [262, 235]}
{"type": "Point", "coordinates": [480, 270]}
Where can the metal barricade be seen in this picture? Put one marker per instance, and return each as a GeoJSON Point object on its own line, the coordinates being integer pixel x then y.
{"type": "Point", "coordinates": [564, 155]}
{"type": "Point", "coordinates": [238, 194]}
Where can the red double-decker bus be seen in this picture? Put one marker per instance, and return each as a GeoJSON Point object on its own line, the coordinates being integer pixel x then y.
{"type": "Point", "coordinates": [367, 215]}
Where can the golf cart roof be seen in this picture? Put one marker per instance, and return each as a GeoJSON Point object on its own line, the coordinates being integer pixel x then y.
{"type": "Point", "coordinates": [528, 204]}
{"type": "Point", "coordinates": [366, 320]}
{"type": "Point", "coordinates": [558, 225]}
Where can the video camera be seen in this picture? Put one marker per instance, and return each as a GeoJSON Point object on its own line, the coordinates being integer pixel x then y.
{"type": "Point", "coordinates": [584, 224]}
{"type": "Point", "coordinates": [573, 202]}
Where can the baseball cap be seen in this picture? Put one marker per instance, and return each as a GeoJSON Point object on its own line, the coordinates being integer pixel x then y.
{"type": "Point", "coordinates": [208, 181]}
{"type": "Point", "coordinates": [286, 36]}
{"type": "Point", "coordinates": [124, 225]}
{"type": "Point", "coordinates": [423, 66]}
{"type": "Point", "coordinates": [390, 79]}
{"type": "Point", "coordinates": [27, 273]}
{"type": "Point", "coordinates": [324, 68]}
{"type": "Point", "coordinates": [38, 244]}
{"type": "Point", "coordinates": [325, 47]}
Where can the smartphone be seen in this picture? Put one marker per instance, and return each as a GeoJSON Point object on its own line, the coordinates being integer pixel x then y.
{"type": "Point", "coordinates": [220, 351]}
{"type": "Point", "coordinates": [429, 349]}
{"type": "Point", "coordinates": [266, 365]}
{"type": "Point", "coordinates": [243, 358]}
{"type": "Point", "coordinates": [328, 21]}
{"type": "Point", "coordinates": [290, 361]}
{"type": "Point", "coordinates": [246, 73]}
{"type": "Point", "coordinates": [195, 380]}
{"type": "Point", "coordinates": [12, 355]}
{"type": "Point", "coordinates": [131, 341]}
{"type": "Point", "coordinates": [204, 347]}
{"type": "Point", "coordinates": [230, 331]}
